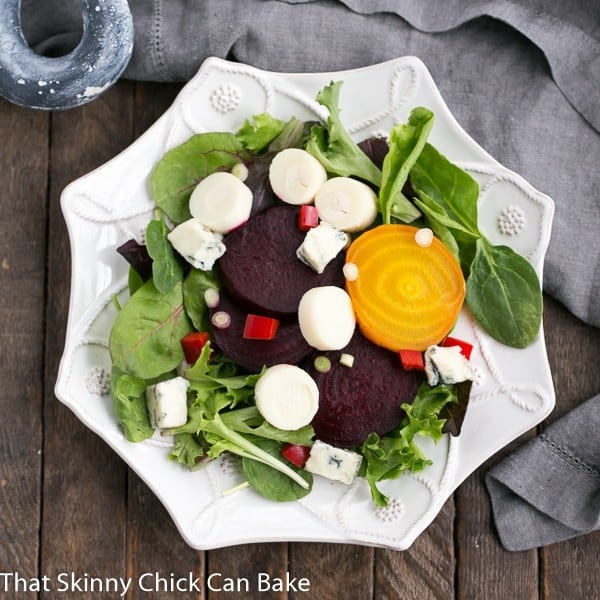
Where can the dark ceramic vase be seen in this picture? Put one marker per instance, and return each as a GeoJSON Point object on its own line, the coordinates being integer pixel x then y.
{"type": "Point", "coordinates": [35, 81]}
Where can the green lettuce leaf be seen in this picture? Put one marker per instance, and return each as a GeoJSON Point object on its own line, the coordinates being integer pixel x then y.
{"type": "Point", "coordinates": [257, 133]}
{"type": "Point", "coordinates": [332, 145]}
{"type": "Point", "coordinates": [406, 141]}
{"type": "Point", "coordinates": [504, 295]}
{"type": "Point", "coordinates": [144, 339]}
{"type": "Point", "coordinates": [213, 419]}
{"type": "Point", "coordinates": [270, 482]}
{"type": "Point", "coordinates": [194, 286]}
{"type": "Point", "coordinates": [167, 269]}
{"type": "Point", "coordinates": [386, 457]}
{"type": "Point", "coordinates": [188, 451]}
{"type": "Point", "coordinates": [129, 404]}
{"type": "Point", "coordinates": [249, 421]}
{"type": "Point", "coordinates": [451, 187]}
{"type": "Point", "coordinates": [179, 171]}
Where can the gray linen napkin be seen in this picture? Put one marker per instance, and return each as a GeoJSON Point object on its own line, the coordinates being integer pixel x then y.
{"type": "Point", "coordinates": [521, 76]}
{"type": "Point", "coordinates": [549, 490]}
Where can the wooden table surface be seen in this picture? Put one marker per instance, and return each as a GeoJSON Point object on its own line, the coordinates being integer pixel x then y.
{"type": "Point", "coordinates": [69, 505]}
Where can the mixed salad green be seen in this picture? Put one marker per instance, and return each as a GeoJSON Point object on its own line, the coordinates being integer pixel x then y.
{"type": "Point", "coordinates": [416, 184]}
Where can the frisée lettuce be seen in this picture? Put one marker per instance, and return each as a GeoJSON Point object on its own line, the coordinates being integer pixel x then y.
{"type": "Point", "coordinates": [415, 184]}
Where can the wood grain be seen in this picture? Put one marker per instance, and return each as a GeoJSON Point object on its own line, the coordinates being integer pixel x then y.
{"type": "Point", "coordinates": [76, 507]}
{"type": "Point", "coordinates": [152, 538]}
{"type": "Point", "coordinates": [84, 493]}
{"type": "Point", "coordinates": [236, 570]}
{"type": "Point", "coordinates": [23, 211]}
{"type": "Point", "coordinates": [426, 570]}
{"type": "Point", "coordinates": [484, 568]}
{"type": "Point", "coordinates": [570, 569]}
{"type": "Point", "coordinates": [334, 570]}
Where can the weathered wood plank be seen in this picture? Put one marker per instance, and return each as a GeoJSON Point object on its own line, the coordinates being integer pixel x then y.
{"type": "Point", "coordinates": [236, 569]}
{"type": "Point", "coordinates": [151, 101]}
{"type": "Point", "coordinates": [23, 170]}
{"type": "Point", "coordinates": [484, 568]}
{"type": "Point", "coordinates": [426, 569]}
{"type": "Point", "coordinates": [84, 481]}
{"type": "Point", "coordinates": [573, 349]}
{"type": "Point", "coordinates": [570, 568]}
{"type": "Point", "coordinates": [153, 542]}
{"type": "Point", "coordinates": [154, 546]}
{"type": "Point", "coordinates": [334, 570]}
{"type": "Point", "coordinates": [239, 563]}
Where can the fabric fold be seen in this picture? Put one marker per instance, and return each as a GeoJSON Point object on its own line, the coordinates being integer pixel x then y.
{"type": "Point", "coordinates": [571, 50]}
{"type": "Point", "coordinates": [507, 85]}
{"type": "Point", "coordinates": [549, 490]}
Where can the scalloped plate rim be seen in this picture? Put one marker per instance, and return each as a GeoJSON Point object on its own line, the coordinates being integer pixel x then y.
{"type": "Point", "coordinates": [487, 160]}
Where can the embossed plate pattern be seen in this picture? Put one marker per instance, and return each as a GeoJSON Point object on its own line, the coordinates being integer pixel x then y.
{"type": "Point", "coordinates": [513, 389]}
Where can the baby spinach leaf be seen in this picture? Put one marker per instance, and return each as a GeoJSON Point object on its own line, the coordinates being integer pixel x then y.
{"type": "Point", "coordinates": [134, 281]}
{"type": "Point", "coordinates": [451, 187]}
{"type": "Point", "coordinates": [194, 286]}
{"type": "Point", "coordinates": [504, 295]}
{"type": "Point", "coordinates": [437, 213]}
{"type": "Point", "coordinates": [167, 269]}
{"type": "Point", "coordinates": [129, 404]}
{"type": "Point", "coordinates": [179, 171]}
{"type": "Point", "coordinates": [144, 340]}
{"type": "Point", "coordinates": [257, 133]}
{"type": "Point", "coordinates": [406, 143]}
{"type": "Point", "coordinates": [270, 483]}
{"type": "Point", "coordinates": [332, 145]}
{"type": "Point", "coordinates": [458, 239]}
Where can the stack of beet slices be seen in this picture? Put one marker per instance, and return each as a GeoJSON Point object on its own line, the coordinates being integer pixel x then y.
{"type": "Point", "coordinates": [261, 274]}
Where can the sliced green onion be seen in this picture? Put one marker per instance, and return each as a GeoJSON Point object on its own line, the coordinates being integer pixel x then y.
{"type": "Point", "coordinates": [240, 170]}
{"type": "Point", "coordinates": [211, 297]}
{"type": "Point", "coordinates": [347, 360]}
{"type": "Point", "coordinates": [322, 364]}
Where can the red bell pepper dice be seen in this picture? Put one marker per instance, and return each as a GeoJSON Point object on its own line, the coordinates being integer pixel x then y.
{"type": "Point", "coordinates": [192, 345]}
{"type": "Point", "coordinates": [297, 455]}
{"type": "Point", "coordinates": [258, 327]}
{"type": "Point", "coordinates": [465, 347]}
{"type": "Point", "coordinates": [308, 217]}
{"type": "Point", "coordinates": [412, 360]}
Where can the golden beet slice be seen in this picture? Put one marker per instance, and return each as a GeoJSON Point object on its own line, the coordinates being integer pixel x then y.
{"type": "Point", "coordinates": [406, 296]}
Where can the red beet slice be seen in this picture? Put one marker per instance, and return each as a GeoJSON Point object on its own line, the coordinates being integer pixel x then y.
{"type": "Point", "coordinates": [260, 269]}
{"type": "Point", "coordinates": [288, 345]}
{"type": "Point", "coordinates": [355, 401]}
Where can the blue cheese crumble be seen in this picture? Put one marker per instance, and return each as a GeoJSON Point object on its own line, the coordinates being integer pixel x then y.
{"type": "Point", "coordinates": [166, 402]}
{"type": "Point", "coordinates": [446, 365]}
{"type": "Point", "coordinates": [321, 245]}
{"type": "Point", "coordinates": [333, 463]}
{"type": "Point", "coordinates": [200, 246]}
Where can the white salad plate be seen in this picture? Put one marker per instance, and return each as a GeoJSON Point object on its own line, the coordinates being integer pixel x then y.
{"type": "Point", "coordinates": [512, 391]}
